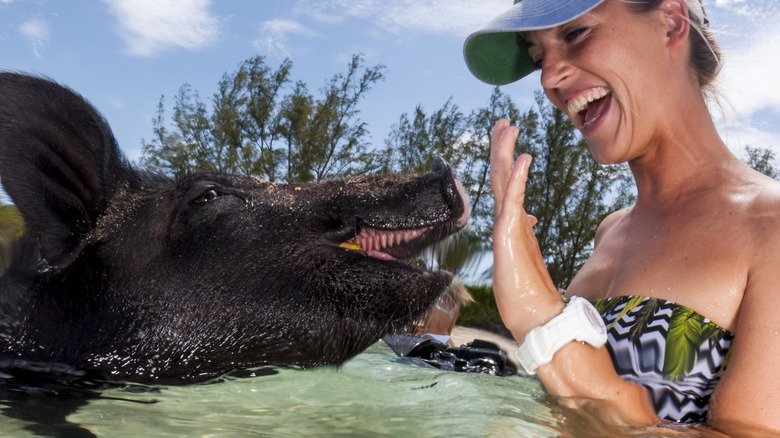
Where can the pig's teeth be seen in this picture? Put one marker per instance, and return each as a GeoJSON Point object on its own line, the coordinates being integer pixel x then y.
{"type": "Point", "coordinates": [351, 244]}
{"type": "Point", "coordinates": [373, 240]}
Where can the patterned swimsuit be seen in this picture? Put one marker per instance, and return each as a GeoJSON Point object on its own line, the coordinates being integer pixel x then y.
{"type": "Point", "coordinates": [676, 353]}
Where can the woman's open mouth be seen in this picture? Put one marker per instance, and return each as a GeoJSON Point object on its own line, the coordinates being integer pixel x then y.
{"type": "Point", "coordinates": [588, 107]}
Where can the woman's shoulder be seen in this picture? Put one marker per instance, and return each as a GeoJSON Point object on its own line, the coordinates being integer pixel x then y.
{"type": "Point", "coordinates": [609, 222]}
{"type": "Point", "coordinates": [761, 200]}
{"type": "Point", "coordinates": [758, 204]}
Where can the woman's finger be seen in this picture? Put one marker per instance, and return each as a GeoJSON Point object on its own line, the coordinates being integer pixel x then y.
{"type": "Point", "coordinates": [501, 151]}
{"type": "Point", "coordinates": [515, 187]}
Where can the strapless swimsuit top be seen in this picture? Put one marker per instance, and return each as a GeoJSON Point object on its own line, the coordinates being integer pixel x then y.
{"type": "Point", "coordinates": [676, 353]}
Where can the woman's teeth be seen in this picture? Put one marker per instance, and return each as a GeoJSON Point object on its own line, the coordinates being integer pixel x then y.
{"type": "Point", "coordinates": [581, 102]}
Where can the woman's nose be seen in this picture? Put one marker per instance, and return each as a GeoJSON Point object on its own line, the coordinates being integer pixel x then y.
{"type": "Point", "coordinates": [556, 68]}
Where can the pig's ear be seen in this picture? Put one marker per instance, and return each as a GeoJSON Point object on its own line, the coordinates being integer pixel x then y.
{"type": "Point", "coordinates": [59, 161]}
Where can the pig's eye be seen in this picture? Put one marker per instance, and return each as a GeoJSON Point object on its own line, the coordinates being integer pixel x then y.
{"type": "Point", "coordinates": [208, 196]}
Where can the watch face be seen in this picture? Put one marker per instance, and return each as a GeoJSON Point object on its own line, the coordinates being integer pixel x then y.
{"type": "Point", "coordinates": [593, 315]}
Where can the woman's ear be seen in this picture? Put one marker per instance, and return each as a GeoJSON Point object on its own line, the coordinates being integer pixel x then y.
{"type": "Point", "coordinates": [676, 22]}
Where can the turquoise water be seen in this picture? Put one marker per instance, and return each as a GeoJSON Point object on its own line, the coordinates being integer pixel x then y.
{"type": "Point", "coordinates": [373, 395]}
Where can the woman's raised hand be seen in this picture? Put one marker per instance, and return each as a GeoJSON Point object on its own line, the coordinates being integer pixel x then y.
{"type": "Point", "coordinates": [525, 293]}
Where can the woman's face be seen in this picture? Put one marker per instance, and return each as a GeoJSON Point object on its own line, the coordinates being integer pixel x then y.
{"type": "Point", "coordinates": [606, 71]}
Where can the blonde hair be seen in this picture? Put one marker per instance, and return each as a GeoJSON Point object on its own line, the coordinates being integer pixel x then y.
{"type": "Point", "coordinates": [706, 54]}
{"type": "Point", "coordinates": [449, 302]}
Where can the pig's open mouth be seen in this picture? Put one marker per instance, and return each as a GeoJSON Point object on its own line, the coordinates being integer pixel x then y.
{"type": "Point", "coordinates": [397, 240]}
{"type": "Point", "coordinates": [394, 244]}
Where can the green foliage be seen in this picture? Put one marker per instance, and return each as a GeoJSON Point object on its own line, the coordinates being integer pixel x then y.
{"type": "Point", "coordinates": [412, 144]}
{"type": "Point", "coordinates": [762, 160]}
{"type": "Point", "coordinates": [259, 124]}
{"type": "Point", "coordinates": [11, 228]}
{"type": "Point", "coordinates": [11, 224]}
{"type": "Point", "coordinates": [483, 312]}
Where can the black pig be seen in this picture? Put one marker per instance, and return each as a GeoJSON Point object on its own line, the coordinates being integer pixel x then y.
{"type": "Point", "coordinates": [144, 278]}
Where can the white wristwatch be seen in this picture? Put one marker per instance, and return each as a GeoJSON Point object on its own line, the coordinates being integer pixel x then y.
{"type": "Point", "coordinates": [579, 321]}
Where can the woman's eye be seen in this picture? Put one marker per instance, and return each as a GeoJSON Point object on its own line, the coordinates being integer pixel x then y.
{"type": "Point", "coordinates": [208, 196]}
{"type": "Point", "coordinates": [573, 34]}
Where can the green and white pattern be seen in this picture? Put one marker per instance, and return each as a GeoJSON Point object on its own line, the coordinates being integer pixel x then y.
{"type": "Point", "coordinates": [676, 353]}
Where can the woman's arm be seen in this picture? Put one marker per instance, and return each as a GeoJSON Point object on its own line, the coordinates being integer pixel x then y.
{"type": "Point", "coordinates": [746, 402]}
{"type": "Point", "coordinates": [527, 297]}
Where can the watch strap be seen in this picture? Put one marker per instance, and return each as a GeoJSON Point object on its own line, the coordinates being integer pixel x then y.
{"type": "Point", "coordinates": [572, 324]}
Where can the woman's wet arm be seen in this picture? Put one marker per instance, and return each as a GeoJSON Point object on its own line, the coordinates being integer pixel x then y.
{"type": "Point", "coordinates": [527, 298]}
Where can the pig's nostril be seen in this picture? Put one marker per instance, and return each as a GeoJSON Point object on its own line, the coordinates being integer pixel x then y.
{"type": "Point", "coordinates": [440, 165]}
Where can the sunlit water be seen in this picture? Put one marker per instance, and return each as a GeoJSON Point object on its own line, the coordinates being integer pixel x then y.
{"type": "Point", "coordinates": [372, 395]}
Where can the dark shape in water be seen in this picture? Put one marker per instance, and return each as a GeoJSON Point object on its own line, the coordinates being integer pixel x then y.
{"type": "Point", "coordinates": [478, 356]}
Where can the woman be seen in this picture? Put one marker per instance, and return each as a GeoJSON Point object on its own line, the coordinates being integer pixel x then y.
{"type": "Point", "coordinates": [686, 278]}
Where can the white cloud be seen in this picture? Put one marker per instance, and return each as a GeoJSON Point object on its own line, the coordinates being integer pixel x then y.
{"type": "Point", "coordinates": [37, 31]}
{"type": "Point", "coordinates": [748, 81]}
{"type": "Point", "coordinates": [749, 76]}
{"type": "Point", "coordinates": [457, 17]}
{"type": "Point", "coordinates": [721, 3]}
{"type": "Point", "coordinates": [739, 133]}
{"type": "Point", "coordinates": [151, 26]}
{"type": "Point", "coordinates": [275, 33]}
{"type": "Point", "coordinates": [751, 40]}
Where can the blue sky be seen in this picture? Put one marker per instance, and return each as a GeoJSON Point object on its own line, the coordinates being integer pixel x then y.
{"type": "Point", "coordinates": [122, 55]}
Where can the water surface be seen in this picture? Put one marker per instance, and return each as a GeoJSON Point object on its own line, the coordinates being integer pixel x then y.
{"type": "Point", "coordinates": [375, 394]}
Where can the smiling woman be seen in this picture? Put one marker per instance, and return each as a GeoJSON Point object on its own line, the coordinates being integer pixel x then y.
{"type": "Point", "coordinates": [690, 330]}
